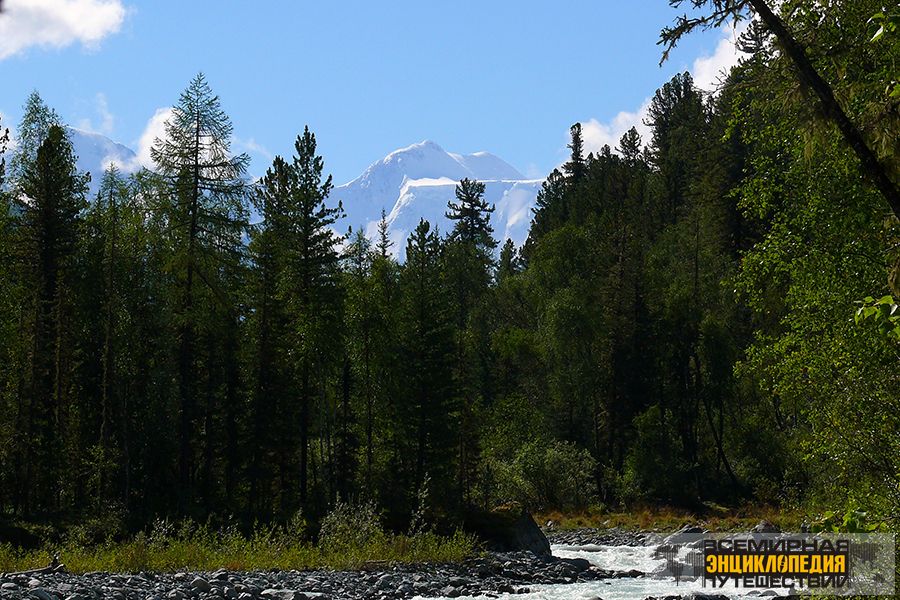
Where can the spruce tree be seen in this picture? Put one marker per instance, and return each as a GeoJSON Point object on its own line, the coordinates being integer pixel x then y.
{"type": "Point", "coordinates": [428, 413]}
{"type": "Point", "coordinates": [630, 146]}
{"type": "Point", "coordinates": [384, 240]}
{"type": "Point", "coordinates": [107, 221]}
{"type": "Point", "coordinates": [469, 264]}
{"type": "Point", "coordinates": [269, 439]}
{"type": "Point", "coordinates": [471, 215]}
{"type": "Point", "coordinates": [574, 168]}
{"type": "Point", "coordinates": [54, 193]}
{"type": "Point", "coordinates": [551, 208]}
{"type": "Point", "coordinates": [309, 283]}
{"type": "Point", "coordinates": [509, 263]}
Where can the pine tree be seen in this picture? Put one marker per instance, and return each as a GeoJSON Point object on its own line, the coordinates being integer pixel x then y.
{"type": "Point", "coordinates": [384, 240]}
{"type": "Point", "coordinates": [206, 216]}
{"type": "Point", "coordinates": [550, 209]}
{"type": "Point", "coordinates": [471, 215]}
{"type": "Point", "coordinates": [630, 146]}
{"type": "Point", "coordinates": [679, 120]}
{"type": "Point", "coordinates": [269, 438]}
{"type": "Point", "coordinates": [469, 264]}
{"type": "Point", "coordinates": [106, 222]}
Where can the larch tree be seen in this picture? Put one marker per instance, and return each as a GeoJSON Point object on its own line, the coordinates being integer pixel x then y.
{"type": "Point", "coordinates": [206, 217]}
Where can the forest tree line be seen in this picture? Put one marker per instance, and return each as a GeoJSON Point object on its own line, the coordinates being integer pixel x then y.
{"type": "Point", "coordinates": [678, 328]}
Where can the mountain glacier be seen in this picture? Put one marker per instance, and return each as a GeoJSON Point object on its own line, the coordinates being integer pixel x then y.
{"type": "Point", "coordinates": [410, 184]}
{"type": "Point", "coordinates": [418, 181]}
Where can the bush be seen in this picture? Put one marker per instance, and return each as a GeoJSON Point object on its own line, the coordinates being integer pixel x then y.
{"type": "Point", "coordinates": [542, 476]}
{"type": "Point", "coordinates": [349, 528]}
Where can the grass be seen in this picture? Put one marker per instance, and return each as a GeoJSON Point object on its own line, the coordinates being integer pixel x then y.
{"type": "Point", "coordinates": [662, 519]}
{"type": "Point", "coordinates": [267, 549]}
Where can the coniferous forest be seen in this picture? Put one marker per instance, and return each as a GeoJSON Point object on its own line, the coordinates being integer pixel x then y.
{"type": "Point", "coordinates": [708, 315]}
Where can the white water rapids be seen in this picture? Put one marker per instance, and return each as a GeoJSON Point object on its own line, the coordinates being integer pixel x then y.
{"type": "Point", "coordinates": [616, 558]}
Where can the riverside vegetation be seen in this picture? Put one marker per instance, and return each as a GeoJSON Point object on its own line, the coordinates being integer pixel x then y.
{"type": "Point", "coordinates": [351, 538]}
{"type": "Point", "coordinates": [709, 315]}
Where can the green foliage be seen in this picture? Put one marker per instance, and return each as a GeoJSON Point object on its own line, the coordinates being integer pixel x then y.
{"type": "Point", "coordinates": [655, 468]}
{"type": "Point", "coordinates": [851, 521]}
{"type": "Point", "coordinates": [170, 547]}
{"type": "Point", "coordinates": [676, 328]}
{"type": "Point", "coordinates": [884, 312]}
{"type": "Point", "coordinates": [348, 528]}
{"type": "Point", "coordinates": [546, 475]}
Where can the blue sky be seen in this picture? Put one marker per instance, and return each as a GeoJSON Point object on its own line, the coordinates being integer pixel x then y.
{"type": "Point", "coordinates": [368, 77]}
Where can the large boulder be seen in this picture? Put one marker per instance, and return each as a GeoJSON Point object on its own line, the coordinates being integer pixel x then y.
{"type": "Point", "coordinates": [508, 528]}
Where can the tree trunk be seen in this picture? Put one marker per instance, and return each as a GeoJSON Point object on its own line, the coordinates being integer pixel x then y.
{"type": "Point", "coordinates": [876, 171]}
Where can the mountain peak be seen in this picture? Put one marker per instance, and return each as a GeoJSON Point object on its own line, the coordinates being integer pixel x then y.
{"type": "Point", "coordinates": [94, 152]}
{"type": "Point", "coordinates": [418, 180]}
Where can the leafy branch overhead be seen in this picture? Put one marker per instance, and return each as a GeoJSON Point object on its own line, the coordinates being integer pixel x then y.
{"type": "Point", "coordinates": [716, 13]}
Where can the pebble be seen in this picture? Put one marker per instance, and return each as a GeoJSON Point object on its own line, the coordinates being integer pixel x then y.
{"type": "Point", "coordinates": [490, 573]}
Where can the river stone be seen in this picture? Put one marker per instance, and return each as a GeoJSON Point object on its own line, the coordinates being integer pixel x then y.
{"type": "Point", "coordinates": [508, 529]}
{"type": "Point", "coordinates": [274, 594]}
{"type": "Point", "coordinates": [765, 527]}
{"type": "Point", "coordinates": [200, 584]}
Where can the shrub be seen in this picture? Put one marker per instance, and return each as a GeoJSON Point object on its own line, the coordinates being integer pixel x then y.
{"type": "Point", "coordinates": [350, 527]}
{"type": "Point", "coordinates": [553, 475]}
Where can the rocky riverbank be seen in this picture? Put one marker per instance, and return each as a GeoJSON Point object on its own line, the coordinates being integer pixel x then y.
{"type": "Point", "coordinates": [601, 537]}
{"type": "Point", "coordinates": [493, 574]}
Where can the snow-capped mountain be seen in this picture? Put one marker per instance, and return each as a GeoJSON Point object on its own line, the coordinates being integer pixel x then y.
{"type": "Point", "coordinates": [94, 152]}
{"type": "Point", "coordinates": [418, 181]}
{"type": "Point", "coordinates": [412, 183]}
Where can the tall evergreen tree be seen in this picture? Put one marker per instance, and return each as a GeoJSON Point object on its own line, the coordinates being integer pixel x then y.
{"type": "Point", "coordinates": [469, 265]}
{"type": "Point", "coordinates": [54, 199]}
{"type": "Point", "coordinates": [309, 284]}
{"type": "Point", "coordinates": [428, 413]}
{"type": "Point", "coordinates": [574, 168]}
{"type": "Point", "coordinates": [206, 217]}
{"type": "Point", "coordinates": [509, 263]}
{"type": "Point", "coordinates": [270, 439]}
{"type": "Point", "coordinates": [37, 119]}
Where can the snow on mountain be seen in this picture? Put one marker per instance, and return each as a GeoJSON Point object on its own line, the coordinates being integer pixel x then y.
{"type": "Point", "coordinates": [94, 153]}
{"type": "Point", "coordinates": [418, 181]}
{"type": "Point", "coordinates": [410, 184]}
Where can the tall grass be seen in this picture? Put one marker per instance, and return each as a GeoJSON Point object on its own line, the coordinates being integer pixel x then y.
{"type": "Point", "coordinates": [199, 548]}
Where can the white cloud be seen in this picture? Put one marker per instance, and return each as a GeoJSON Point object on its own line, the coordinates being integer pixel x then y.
{"type": "Point", "coordinates": [57, 23]}
{"type": "Point", "coordinates": [710, 71]}
{"type": "Point", "coordinates": [251, 146]}
{"type": "Point", "coordinates": [597, 134]}
{"type": "Point", "coordinates": [107, 119]}
{"type": "Point", "coordinates": [707, 72]}
{"type": "Point", "coordinates": [156, 128]}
